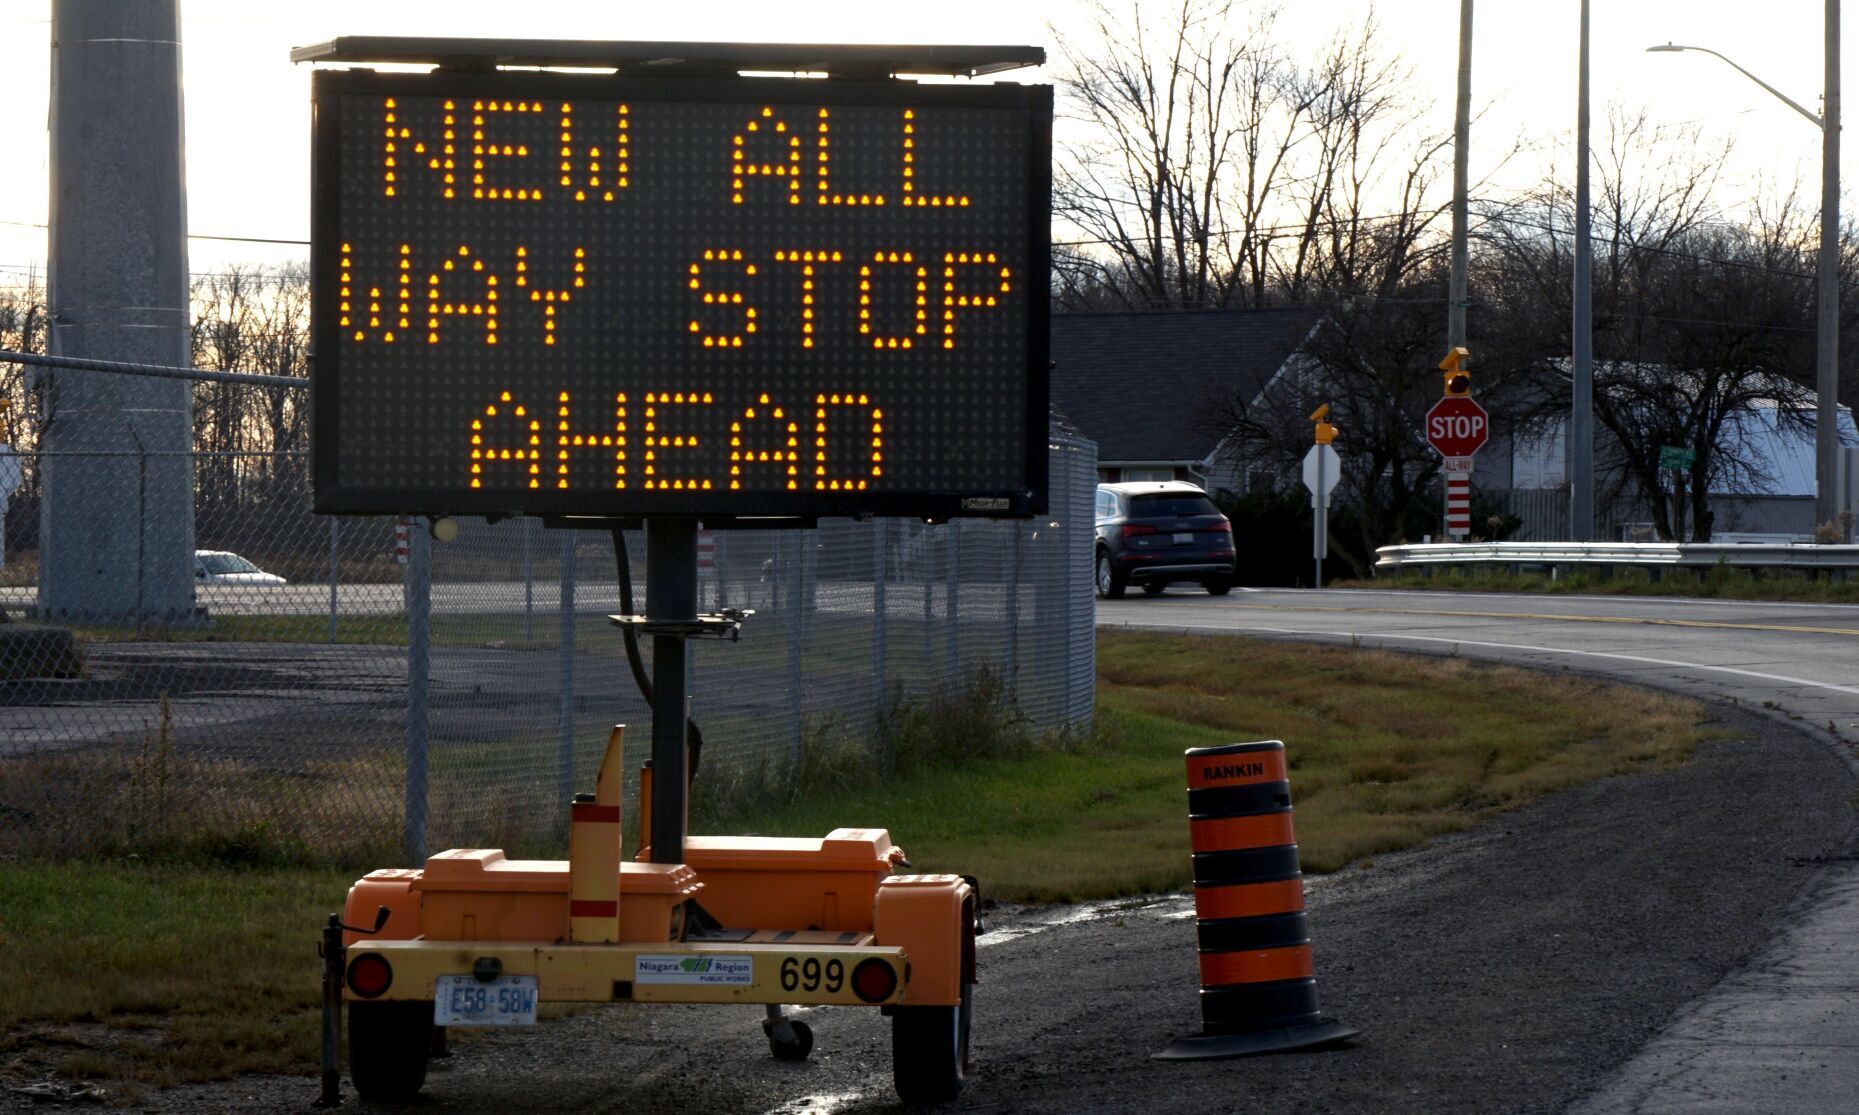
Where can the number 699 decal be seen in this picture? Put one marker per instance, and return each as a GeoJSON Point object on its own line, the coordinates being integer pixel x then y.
{"type": "Point", "coordinates": [810, 974]}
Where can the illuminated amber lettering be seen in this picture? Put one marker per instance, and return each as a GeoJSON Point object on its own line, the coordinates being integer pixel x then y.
{"type": "Point", "coordinates": [549, 300]}
{"type": "Point", "coordinates": [432, 148]}
{"type": "Point", "coordinates": [870, 271]}
{"type": "Point", "coordinates": [779, 149]}
{"type": "Point", "coordinates": [764, 442]}
{"type": "Point", "coordinates": [997, 281]}
{"type": "Point", "coordinates": [857, 479]}
{"type": "Point", "coordinates": [382, 314]}
{"type": "Point", "coordinates": [602, 167]}
{"type": "Point", "coordinates": [506, 446]}
{"type": "Point", "coordinates": [912, 195]}
{"type": "Point", "coordinates": [486, 149]}
{"type": "Point", "coordinates": [716, 337]}
{"type": "Point", "coordinates": [809, 259]}
{"type": "Point", "coordinates": [660, 470]}
{"type": "Point", "coordinates": [483, 305]}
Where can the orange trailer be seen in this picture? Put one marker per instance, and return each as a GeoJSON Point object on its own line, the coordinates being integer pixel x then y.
{"type": "Point", "coordinates": [473, 938]}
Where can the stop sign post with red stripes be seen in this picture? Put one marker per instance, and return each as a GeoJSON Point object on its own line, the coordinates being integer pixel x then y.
{"type": "Point", "coordinates": [1457, 428]}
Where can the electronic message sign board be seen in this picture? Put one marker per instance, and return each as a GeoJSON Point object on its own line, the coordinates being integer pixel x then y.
{"type": "Point", "coordinates": [551, 293]}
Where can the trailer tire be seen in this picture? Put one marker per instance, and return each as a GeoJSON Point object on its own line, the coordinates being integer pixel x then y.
{"type": "Point", "coordinates": [929, 1050]}
{"type": "Point", "coordinates": [389, 1047]}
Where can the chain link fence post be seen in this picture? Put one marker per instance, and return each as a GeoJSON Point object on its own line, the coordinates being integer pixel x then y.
{"type": "Point", "coordinates": [565, 675]}
{"type": "Point", "coordinates": [952, 618]}
{"type": "Point", "coordinates": [1010, 668]}
{"type": "Point", "coordinates": [419, 665]}
{"type": "Point", "coordinates": [796, 601]}
{"type": "Point", "coordinates": [529, 579]}
{"type": "Point", "coordinates": [335, 575]}
{"type": "Point", "coordinates": [880, 605]}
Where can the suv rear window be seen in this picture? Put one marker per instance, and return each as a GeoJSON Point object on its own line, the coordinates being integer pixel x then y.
{"type": "Point", "coordinates": [1167, 505]}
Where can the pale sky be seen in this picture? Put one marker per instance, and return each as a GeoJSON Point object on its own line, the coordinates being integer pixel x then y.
{"type": "Point", "coordinates": [248, 107]}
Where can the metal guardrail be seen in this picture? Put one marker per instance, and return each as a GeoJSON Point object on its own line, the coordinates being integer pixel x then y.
{"type": "Point", "coordinates": [1655, 555]}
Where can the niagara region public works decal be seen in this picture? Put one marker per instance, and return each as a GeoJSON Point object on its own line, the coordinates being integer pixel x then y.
{"type": "Point", "coordinates": [733, 970]}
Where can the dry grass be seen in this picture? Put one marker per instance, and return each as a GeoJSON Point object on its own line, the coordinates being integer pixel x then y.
{"type": "Point", "coordinates": [1386, 749]}
{"type": "Point", "coordinates": [1385, 752]}
{"type": "Point", "coordinates": [133, 973]}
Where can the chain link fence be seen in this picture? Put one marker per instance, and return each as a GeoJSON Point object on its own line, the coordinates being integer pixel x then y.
{"type": "Point", "coordinates": [282, 711]}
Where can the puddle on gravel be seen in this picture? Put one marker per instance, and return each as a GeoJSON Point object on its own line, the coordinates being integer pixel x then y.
{"type": "Point", "coordinates": [1166, 906]}
{"type": "Point", "coordinates": [1026, 921]}
{"type": "Point", "coordinates": [817, 1105]}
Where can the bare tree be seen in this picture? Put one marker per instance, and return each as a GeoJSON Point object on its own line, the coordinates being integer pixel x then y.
{"type": "Point", "coordinates": [251, 439]}
{"type": "Point", "coordinates": [1698, 319]}
{"type": "Point", "coordinates": [1171, 111]}
{"type": "Point", "coordinates": [23, 326]}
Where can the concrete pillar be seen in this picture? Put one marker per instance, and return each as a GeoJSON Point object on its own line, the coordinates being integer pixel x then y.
{"type": "Point", "coordinates": [117, 524]}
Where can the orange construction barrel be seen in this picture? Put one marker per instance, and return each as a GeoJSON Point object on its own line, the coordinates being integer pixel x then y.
{"type": "Point", "coordinates": [1258, 990]}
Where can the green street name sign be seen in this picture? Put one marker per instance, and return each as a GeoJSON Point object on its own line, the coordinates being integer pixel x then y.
{"type": "Point", "coordinates": [1671, 456]}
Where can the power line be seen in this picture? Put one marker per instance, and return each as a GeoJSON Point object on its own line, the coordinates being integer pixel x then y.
{"type": "Point", "coordinates": [190, 236]}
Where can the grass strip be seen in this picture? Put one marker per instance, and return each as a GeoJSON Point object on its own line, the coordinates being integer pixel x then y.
{"type": "Point", "coordinates": [1717, 582]}
{"type": "Point", "coordinates": [160, 974]}
{"type": "Point", "coordinates": [1385, 751]}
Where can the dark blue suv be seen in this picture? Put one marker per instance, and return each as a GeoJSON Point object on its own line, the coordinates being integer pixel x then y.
{"type": "Point", "coordinates": [1155, 532]}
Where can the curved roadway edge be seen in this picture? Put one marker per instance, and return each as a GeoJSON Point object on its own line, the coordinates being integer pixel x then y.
{"type": "Point", "coordinates": [1781, 1032]}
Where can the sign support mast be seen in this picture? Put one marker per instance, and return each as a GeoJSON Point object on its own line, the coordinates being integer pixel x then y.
{"type": "Point", "coordinates": [1322, 469]}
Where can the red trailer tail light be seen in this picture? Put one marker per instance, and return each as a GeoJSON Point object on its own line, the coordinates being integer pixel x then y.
{"type": "Point", "coordinates": [370, 975]}
{"type": "Point", "coordinates": [874, 980]}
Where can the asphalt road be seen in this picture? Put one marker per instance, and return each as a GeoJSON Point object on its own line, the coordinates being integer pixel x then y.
{"type": "Point", "coordinates": [1679, 941]}
{"type": "Point", "coordinates": [541, 598]}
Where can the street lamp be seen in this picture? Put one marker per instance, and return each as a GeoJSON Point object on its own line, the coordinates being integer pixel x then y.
{"type": "Point", "coordinates": [1827, 359]}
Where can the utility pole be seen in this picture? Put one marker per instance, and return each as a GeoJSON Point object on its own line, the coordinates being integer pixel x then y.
{"type": "Point", "coordinates": [117, 519]}
{"type": "Point", "coordinates": [1827, 359]}
{"type": "Point", "coordinates": [1581, 343]}
{"type": "Point", "coordinates": [1461, 157]}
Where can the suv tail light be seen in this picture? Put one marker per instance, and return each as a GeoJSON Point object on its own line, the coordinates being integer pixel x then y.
{"type": "Point", "coordinates": [1132, 529]}
{"type": "Point", "coordinates": [1224, 526]}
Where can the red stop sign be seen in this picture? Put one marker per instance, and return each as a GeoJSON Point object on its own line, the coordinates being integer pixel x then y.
{"type": "Point", "coordinates": [1457, 427]}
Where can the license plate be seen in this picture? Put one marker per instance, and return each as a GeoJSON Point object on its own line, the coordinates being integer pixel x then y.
{"type": "Point", "coordinates": [468, 1001]}
{"type": "Point", "coordinates": [1184, 536]}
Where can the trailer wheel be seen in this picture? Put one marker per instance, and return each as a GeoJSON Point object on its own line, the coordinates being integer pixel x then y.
{"type": "Point", "coordinates": [389, 1045]}
{"type": "Point", "coordinates": [795, 1044]}
{"type": "Point", "coordinates": [929, 1050]}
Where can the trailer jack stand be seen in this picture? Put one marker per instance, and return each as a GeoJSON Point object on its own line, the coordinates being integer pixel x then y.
{"type": "Point", "coordinates": [331, 949]}
{"type": "Point", "coordinates": [789, 1039]}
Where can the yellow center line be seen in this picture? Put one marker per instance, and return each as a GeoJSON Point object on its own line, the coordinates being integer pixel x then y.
{"type": "Point", "coordinates": [1792, 629]}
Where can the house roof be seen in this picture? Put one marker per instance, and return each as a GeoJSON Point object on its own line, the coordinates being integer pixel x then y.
{"type": "Point", "coordinates": [1141, 385]}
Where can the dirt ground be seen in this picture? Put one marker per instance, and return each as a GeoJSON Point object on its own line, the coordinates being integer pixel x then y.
{"type": "Point", "coordinates": [1506, 969]}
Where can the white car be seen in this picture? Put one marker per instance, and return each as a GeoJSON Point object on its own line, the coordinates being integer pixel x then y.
{"type": "Point", "coordinates": [217, 567]}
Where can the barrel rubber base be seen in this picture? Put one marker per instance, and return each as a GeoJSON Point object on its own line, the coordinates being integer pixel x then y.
{"type": "Point", "coordinates": [1285, 1039]}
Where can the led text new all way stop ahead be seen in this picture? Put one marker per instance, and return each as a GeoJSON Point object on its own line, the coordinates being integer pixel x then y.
{"type": "Point", "coordinates": [679, 295]}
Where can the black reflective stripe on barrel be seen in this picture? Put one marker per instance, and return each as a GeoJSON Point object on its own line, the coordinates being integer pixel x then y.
{"type": "Point", "coordinates": [1247, 865]}
{"type": "Point", "coordinates": [1239, 801]}
{"type": "Point", "coordinates": [1237, 1008]}
{"type": "Point", "coordinates": [1270, 931]}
